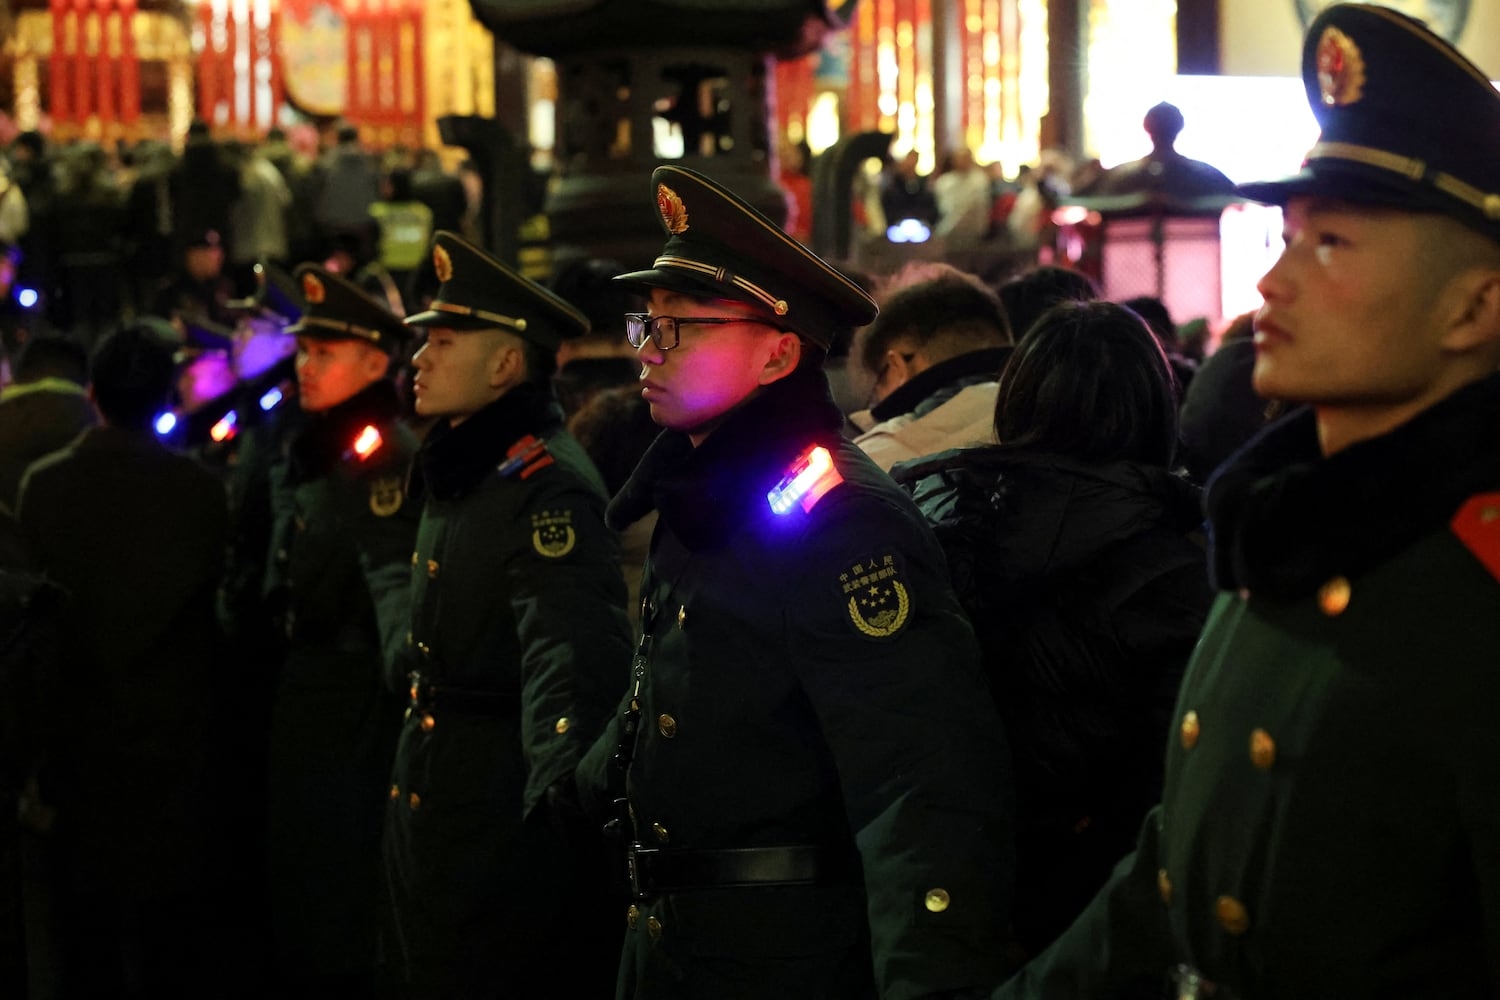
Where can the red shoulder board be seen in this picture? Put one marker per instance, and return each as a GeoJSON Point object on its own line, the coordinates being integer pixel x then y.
{"type": "Point", "coordinates": [525, 456]}
{"type": "Point", "coordinates": [1477, 525]}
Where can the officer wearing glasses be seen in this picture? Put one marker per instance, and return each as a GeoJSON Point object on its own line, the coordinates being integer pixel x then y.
{"type": "Point", "coordinates": [807, 768]}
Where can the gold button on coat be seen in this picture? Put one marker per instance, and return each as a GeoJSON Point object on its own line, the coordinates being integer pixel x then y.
{"type": "Point", "coordinates": [395, 793]}
{"type": "Point", "coordinates": [415, 800]}
{"type": "Point", "coordinates": [1262, 749]}
{"type": "Point", "coordinates": [1164, 886]}
{"type": "Point", "coordinates": [937, 900]}
{"type": "Point", "coordinates": [1233, 916]}
{"type": "Point", "coordinates": [666, 725]}
{"type": "Point", "coordinates": [682, 617]}
{"type": "Point", "coordinates": [428, 723]}
{"type": "Point", "coordinates": [661, 832]}
{"type": "Point", "coordinates": [414, 557]}
{"type": "Point", "coordinates": [632, 915]}
{"type": "Point", "coordinates": [1190, 730]}
{"type": "Point", "coordinates": [562, 725]}
{"type": "Point", "coordinates": [653, 927]}
{"type": "Point", "coordinates": [432, 569]}
{"type": "Point", "coordinates": [1333, 596]}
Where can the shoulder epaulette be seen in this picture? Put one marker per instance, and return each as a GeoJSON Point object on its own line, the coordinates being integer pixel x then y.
{"type": "Point", "coordinates": [526, 456]}
{"type": "Point", "coordinates": [807, 479]}
{"type": "Point", "coordinates": [1477, 525]}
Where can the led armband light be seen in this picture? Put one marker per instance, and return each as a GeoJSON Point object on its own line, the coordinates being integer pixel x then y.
{"type": "Point", "coordinates": [271, 399]}
{"type": "Point", "coordinates": [809, 477]}
{"type": "Point", "coordinates": [165, 423]}
{"type": "Point", "coordinates": [226, 427]}
{"type": "Point", "coordinates": [364, 446]}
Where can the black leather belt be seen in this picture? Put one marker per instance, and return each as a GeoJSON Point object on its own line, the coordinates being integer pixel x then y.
{"type": "Point", "coordinates": [425, 697]}
{"type": "Point", "coordinates": [654, 871]}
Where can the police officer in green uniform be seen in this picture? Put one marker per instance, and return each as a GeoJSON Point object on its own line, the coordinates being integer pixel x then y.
{"type": "Point", "coordinates": [1330, 825]}
{"type": "Point", "coordinates": [518, 650]}
{"type": "Point", "coordinates": [807, 764]}
{"type": "Point", "coordinates": [339, 567]}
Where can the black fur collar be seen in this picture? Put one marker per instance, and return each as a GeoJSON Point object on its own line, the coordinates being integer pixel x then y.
{"type": "Point", "coordinates": [453, 460]}
{"type": "Point", "coordinates": [328, 435]}
{"type": "Point", "coordinates": [705, 493]}
{"type": "Point", "coordinates": [1283, 519]}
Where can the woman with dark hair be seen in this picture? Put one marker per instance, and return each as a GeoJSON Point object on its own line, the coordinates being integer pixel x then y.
{"type": "Point", "coordinates": [1072, 548]}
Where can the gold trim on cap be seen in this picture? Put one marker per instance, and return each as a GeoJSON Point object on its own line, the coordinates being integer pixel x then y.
{"type": "Point", "coordinates": [776, 232]}
{"type": "Point", "coordinates": [1412, 169]}
{"type": "Point", "coordinates": [514, 323]}
{"type": "Point", "coordinates": [772, 302]}
{"type": "Point", "coordinates": [342, 327]}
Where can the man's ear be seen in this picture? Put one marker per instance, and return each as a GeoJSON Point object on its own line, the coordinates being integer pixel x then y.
{"type": "Point", "coordinates": [376, 363]}
{"type": "Point", "coordinates": [1475, 321]}
{"type": "Point", "coordinates": [506, 364]}
{"type": "Point", "coordinates": [785, 354]}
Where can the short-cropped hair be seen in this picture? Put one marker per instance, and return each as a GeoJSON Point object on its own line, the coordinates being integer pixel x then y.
{"type": "Point", "coordinates": [132, 372]}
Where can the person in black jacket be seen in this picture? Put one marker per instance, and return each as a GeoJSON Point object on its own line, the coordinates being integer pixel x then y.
{"type": "Point", "coordinates": [1069, 545]}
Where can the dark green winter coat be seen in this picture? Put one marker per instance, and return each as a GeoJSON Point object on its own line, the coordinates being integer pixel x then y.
{"type": "Point", "coordinates": [809, 681]}
{"type": "Point", "coordinates": [341, 544]}
{"type": "Point", "coordinates": [519, 647]}
{"type": "Point", "coordinates": [1330, 825]}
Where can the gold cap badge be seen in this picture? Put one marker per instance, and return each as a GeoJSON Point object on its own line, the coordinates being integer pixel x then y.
{"type": "Point", "coordinates": [673, 211]}
{"type": "Point", "coordinates": [312, 289]}
{"type": "Point", "coordinates": [1341, 69]}
{"type": "Point", "coordinates": [442, 264]}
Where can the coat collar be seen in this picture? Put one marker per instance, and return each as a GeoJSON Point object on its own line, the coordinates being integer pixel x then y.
{"type": "Point", "coordinates": [454, 460]}
{"type": "Point", "coordinates": [327, 435]}
{"type": "Point", "coordinates": [1283, 519]}
{"type": "Point", "coordinates": [705, 493]}
{"type": "Point", "coordinates": [953, 374]}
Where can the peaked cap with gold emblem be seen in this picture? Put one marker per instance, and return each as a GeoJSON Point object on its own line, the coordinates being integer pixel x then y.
{"type": "Point", "coordinates": [1406, 120]}
{"type": "Point", "coordinates": [720, 247]}
{"type": "Point", "coordinates": [338, 309]}
{"type": "Point", "coordinates": [480, 293]}
{"type": "Point", "coordinates": [277, 296]}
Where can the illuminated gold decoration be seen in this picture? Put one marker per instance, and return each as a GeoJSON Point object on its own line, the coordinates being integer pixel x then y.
{"type": "Point", "coordinates": [673, 212]}
{"type": "Point", "coordinates": [442, 264]}
{"type": "Point", "coordinates": [1341, 69]}
{"type": "Point", "coordinates": [313, 290]}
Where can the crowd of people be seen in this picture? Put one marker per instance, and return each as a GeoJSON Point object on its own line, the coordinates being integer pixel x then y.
{"type": "Point", "coordinates": [741, 626]}
{"type": "Point", "coordinates": [104, 232]}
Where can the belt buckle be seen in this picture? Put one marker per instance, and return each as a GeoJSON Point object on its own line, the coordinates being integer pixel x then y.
{"type": "Point", "coordinates": [418, 692]}
{"type": "Point", "coordinates": [636, 857]}
{"type": "Point", "coordinates": [1190, 984]}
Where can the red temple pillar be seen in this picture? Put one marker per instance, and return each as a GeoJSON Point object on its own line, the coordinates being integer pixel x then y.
{"type": "Point", "coordinates": [130, 77]}
{"type": "Point", "coordinates": [59, 68]}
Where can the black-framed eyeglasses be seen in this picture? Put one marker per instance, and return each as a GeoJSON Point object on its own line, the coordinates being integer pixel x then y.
{"type": "Point", "coordinates": [663, 329]}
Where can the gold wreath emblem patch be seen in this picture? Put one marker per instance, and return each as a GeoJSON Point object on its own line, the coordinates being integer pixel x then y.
{"type": "Point", "coordinates": [879, 603]}
{"type": "Point", "coordinates": [552, 533]}
{"type": "Point", "coordinates": [312, 289]}
{"type": "Point", "coordinates": [1341, 69]}
{"type": "Point", "coordinates": [442, 264]}
{"type": "Point", "coordinates": [673, 212]}
{"type": "Point", "coordinates": [385, 496]}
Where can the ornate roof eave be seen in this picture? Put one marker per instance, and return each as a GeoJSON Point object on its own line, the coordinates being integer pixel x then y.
{"type": "Point", "coordinates": [555, 28]}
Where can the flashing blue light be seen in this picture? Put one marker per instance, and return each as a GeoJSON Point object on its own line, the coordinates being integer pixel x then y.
{"type": "Point", "coordinates": [909, 231]}
{"type": "Point", "coordinates": [27, 297]}
{"type": "Point", "coordinates": [811, 476]}
{"type": "Point", "coordinates": [271, 399]}
{"type": "Point", "coordinates": [165, 422]}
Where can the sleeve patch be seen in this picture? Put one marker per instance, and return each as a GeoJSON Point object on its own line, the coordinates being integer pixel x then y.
{"type": "Point", "coordinates": [385, 496]}
{"type": "Point", "coordinates": [1477, 525]}
{"type": "Point", "coordinates": [875, 597]}
{"type": "Point", "coordinates": [552, 533]}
